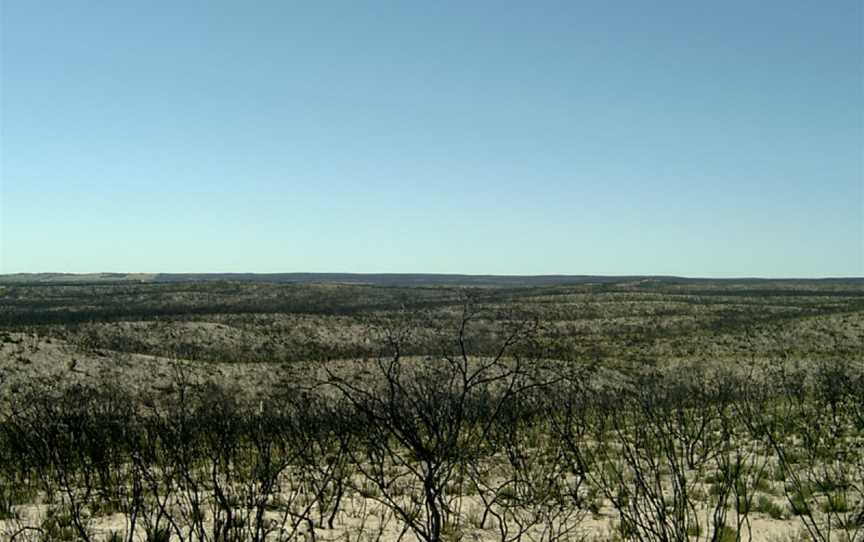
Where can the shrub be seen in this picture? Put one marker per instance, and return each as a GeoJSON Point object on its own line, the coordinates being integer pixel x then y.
{"type": "Point", "coordinates": [766, 505]}
{"type": "Point", "coordinates": [836, 504]}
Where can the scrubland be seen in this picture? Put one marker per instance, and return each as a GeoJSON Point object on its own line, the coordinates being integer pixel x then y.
{"type": "Point", "coordinates": [657, 410]}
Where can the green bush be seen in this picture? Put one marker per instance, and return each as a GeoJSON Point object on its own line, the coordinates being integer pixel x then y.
{"type": "Point", "coordinates": [766, 505]}
{"type": "Point", "coordinates": [836, 504]}
{"type": "Point", "coordinates": [57, 526]}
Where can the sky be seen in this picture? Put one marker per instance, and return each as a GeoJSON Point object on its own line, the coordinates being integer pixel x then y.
{"type": "Point", "coordinates": [693, 138]}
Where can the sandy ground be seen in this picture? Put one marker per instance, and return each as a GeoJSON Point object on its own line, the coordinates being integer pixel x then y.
{"type": "Point", "coordinates": [362, 519]}
{"type": "Point", "coordinates": [25, 357]}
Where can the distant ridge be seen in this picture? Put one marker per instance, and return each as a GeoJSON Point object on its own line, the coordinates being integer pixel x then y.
{"type": "Point", "coordinates": [394, 279]}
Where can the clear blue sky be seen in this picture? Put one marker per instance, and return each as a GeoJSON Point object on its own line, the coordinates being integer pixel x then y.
{"type": "Point", "coordinates": [677, 137]}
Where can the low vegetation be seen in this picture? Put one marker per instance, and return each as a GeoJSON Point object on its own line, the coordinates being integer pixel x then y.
{"type": "Point", "coordinates": [490, 414]}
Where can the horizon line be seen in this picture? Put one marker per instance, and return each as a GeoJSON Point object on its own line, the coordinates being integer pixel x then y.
{"type": "Point", "coordinates": [121, 274]}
